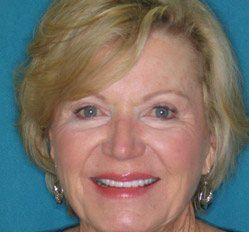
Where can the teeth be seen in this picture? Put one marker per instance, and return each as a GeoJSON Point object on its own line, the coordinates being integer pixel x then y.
{"type": "Point", "coordinates": [126, 184]}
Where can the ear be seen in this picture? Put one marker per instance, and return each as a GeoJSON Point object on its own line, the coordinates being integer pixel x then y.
{"type": "Point", "coordinates": [51, 146]}
{"type": "Point", "coordinates": [210, 157]}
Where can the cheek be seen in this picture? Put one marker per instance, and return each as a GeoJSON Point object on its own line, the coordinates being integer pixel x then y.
{"type": "Point", "coordinates": [180, 150]}
{"type": "Point", "coordinates": [72, 147]}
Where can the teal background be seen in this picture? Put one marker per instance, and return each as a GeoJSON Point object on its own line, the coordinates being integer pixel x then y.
{"type": "Point", "coordinates": [25, 204]}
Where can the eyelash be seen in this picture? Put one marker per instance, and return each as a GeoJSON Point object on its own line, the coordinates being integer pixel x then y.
{"type": "Point", "coordinates": [172, 112]}
{"type": "Point", "coordinates": [78, 110]}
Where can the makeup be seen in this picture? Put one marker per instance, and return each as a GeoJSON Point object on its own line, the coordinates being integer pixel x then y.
{"type": "Point", "coordinates": [129, 185]}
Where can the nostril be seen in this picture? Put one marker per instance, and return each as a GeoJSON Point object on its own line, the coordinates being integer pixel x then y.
{"type": "Point", "coordinates": [123, 150]}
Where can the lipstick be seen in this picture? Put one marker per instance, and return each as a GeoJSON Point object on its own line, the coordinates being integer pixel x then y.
{"type": "Point", "coordinates": [129, 185]}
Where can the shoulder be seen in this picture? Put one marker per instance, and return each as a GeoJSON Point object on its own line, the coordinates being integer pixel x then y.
{"type": "Point", "coordinates": [72, 229]}
{"type": "Point", "coordinates": [67, 229]}
{"type": "Point", "coordinates": [204, 227]}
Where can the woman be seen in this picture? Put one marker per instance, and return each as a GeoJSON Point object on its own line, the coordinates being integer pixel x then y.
{"type": "Point", "coordinates": [133, 110]}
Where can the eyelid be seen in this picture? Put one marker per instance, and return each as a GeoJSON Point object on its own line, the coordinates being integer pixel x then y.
{"type": "Point", "coordinates": [82, 106]}
{"type": "Point", "coordinates": [78, 109]}
{"type": "Point", "coordinates": [171, 108]}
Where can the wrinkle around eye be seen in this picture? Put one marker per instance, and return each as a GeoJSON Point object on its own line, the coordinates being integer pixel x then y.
{"type": "Point", "coordinates": [180, 119]}
{"type": "Point", "coordinates": [79, 124]}
{"type": "Point", "coordinates": [69, 121]}
{"type": "Point", "coordinates": [159, 123]}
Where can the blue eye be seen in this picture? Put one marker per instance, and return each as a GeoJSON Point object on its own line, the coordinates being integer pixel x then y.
{"type": "Point", "coordinates": [87, 112]}
{"type": "Point", "coordinates": [162, 112]}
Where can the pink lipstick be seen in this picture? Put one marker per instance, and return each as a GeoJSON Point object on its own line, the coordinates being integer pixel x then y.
{"type": "Point", "coordinates": [124, 186]}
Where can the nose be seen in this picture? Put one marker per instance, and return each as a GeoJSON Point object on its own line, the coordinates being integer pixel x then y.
{"type": "Point", "coordinates": [123, 142]}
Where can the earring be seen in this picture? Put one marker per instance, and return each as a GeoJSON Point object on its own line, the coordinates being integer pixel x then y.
{"type": "Point", "coordinates": [204, 193]}
{"type": "Point", "coordinates": [58, 192]}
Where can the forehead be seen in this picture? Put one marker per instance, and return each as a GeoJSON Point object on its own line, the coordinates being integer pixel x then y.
{"type": "Point", "coordinates": [166, 63]}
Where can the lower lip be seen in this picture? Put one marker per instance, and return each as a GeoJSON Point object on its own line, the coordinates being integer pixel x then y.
{"type": "Point", "coordinates": [115, 192]}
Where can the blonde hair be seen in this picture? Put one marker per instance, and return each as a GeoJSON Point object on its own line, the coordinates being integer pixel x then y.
{"type": "Point", "coordinates": [66, 64]}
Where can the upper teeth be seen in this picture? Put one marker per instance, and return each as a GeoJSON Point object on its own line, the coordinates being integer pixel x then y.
{"type": "Point", "coordinates": [126, 184]}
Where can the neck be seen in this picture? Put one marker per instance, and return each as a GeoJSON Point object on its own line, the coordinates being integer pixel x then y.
{"type": "Point", "coordinates": [186, 222]}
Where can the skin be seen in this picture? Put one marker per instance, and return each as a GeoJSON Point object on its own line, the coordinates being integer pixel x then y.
{"type": "Point", "coordinates": [126, 136]}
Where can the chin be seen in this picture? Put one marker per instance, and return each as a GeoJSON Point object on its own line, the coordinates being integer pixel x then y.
{"type": "Point", "coordinates": [123, 222]}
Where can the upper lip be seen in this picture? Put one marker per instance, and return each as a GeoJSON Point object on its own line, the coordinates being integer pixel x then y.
{"type": "Point", "coordinates": [125, 176]}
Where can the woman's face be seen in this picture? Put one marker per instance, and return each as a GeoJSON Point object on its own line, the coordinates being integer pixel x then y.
{"type": "Point", "coordinates": [130, 157]}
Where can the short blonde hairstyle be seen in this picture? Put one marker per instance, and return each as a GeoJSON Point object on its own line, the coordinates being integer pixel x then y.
{"type": "Point", "coordinates": [66, 64]}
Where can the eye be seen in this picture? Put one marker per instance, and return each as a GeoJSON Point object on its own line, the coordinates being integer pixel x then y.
{"type": "Point", "coordinates": [163, 112]}
{"type": "Point", "coordinates": [87, 112]}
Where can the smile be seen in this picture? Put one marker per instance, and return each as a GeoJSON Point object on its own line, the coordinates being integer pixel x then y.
{"type": "Point", "coordinates": [126, 184]}
{"type": "Point", "coordinates": [130, 185]}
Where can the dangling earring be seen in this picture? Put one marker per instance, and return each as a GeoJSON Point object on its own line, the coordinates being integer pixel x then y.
{"type": "Point", "coordinates": [58, 192]}
{"type": "Point", "coordinates": [204, 193]}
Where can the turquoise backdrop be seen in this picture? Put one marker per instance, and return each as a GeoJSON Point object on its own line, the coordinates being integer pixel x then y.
{"type": "Point", "coordinates": [25, 204]}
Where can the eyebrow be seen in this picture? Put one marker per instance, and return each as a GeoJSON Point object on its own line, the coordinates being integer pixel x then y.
{"type": "Point", "coordinates": [97, 95]}
{"type": "Point", "coordinates": [161, 92]}
{"type": "Point", "coordinates": [101, 97]}
{"type": "Point", "coordinates": [150, 95]}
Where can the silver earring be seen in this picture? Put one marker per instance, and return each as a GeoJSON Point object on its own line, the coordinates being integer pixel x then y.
{"type": "Point", "coordinates": [205, 193]}
{"type": "Point", "coordinates": [58, 192]}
